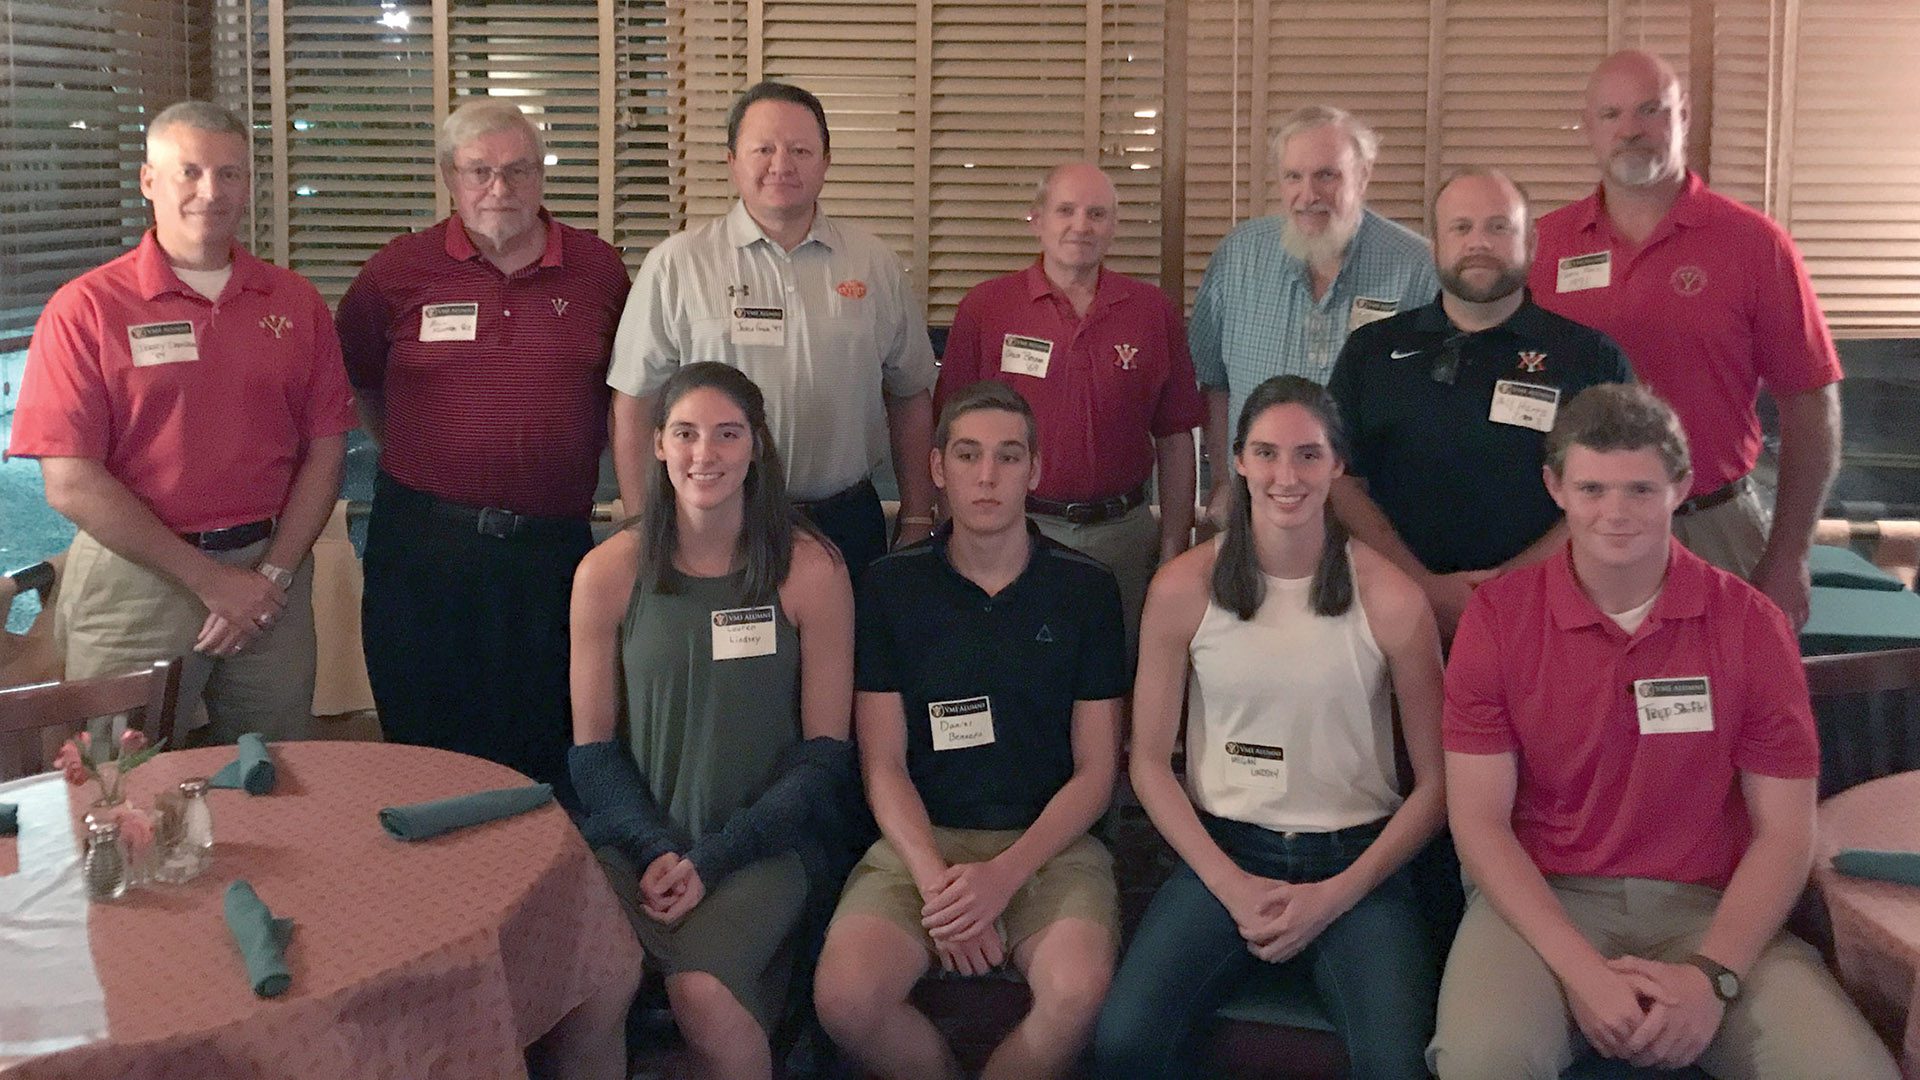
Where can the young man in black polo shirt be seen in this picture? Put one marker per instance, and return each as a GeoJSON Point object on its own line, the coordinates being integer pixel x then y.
{"type": "Point", "coordinates": [990, 664]}
{"type": "Point", "coordinates": [1447, 406]}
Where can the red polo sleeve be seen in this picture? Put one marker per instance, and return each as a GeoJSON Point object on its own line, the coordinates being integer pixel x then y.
{"type": "Point", "coordinates": [64, 408]}
{"type": "Point", "coordinates": [1476, 720]}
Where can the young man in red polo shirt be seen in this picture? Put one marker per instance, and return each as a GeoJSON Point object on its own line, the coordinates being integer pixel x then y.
{"type": "Point", "coordinates": [189, 411]}
{"type": "Point", "coordinates": [1631, 763]}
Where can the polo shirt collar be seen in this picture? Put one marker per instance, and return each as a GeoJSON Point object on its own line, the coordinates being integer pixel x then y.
{"type": "Point", "coordinates": [1689, 209]}
{"type": "Point", "coordinates": [1106, 288]}
{"type": "Point", "coordinates": [743, 231]}
{"type": "Point", "coordinates": [1683, 595]}
{"type": "Point", "coordinates": [943, 534]}
{"type": "Point", "coordinates": [1529, 321]}
{"type": "Point", "coordinates": [155, 277]}
{"type": "Point", "coordinates": [461, 248]}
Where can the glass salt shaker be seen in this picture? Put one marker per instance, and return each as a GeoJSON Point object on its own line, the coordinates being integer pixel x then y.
{"type": "Point", "coordinates": [189, 832]}
{"type": "Point", "coordinates": [199, 818]}
{"type": "Point", "coordinates": [105, 863]}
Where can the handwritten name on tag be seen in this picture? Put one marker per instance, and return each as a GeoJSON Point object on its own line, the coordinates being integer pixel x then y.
{"type": "Point", "coordinates": [742, 632]}
{"type": "Point", "coordinates": [961, 723]}
{"type": "Point", "coordinates": [162, 343]}
{"type": "Point", "coordinates": [1524, 404]}
{"type": "Point", "coordinates": [1581, 272]}
{"type": "Point", "coordinates": [1261, 768]}
{"type": "Point", "coordinates": [1673, 706]}
{"type": "Point", "coordinates": [449, 322]}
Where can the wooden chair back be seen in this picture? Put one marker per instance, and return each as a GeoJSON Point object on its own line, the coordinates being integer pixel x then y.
{"type": "Point", "coordinates": [1867, 708]}
{"type": "Point", "coordinates": [153, 692]}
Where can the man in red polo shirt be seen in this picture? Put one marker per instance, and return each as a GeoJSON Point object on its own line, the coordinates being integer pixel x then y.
{"type": "Point", "coordinates": [479, 349]}
{"type": "Point", "coordinates": [1631, 764]}
{"type": "Point", "coordinates": [1709, 300]}
{"type": "Point", "coordinates": [1103, 360]}
{"type": "Point", "coordinates": [189, 412]}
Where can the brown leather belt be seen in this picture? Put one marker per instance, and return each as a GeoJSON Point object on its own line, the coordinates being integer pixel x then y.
{"type": "Point", "coordinates": [1089, 513]}
{"type": "Point", "coordinates": [1713, 498]}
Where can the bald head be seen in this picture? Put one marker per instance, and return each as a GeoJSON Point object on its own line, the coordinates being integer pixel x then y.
{"type": "Point", "coordinates": [1636, 120]}
{"type": "Point", "coordinates": [1073, 217]}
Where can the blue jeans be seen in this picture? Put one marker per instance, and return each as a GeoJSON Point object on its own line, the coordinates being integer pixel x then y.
{"type": "Point", "coordinates": [1374, 967]}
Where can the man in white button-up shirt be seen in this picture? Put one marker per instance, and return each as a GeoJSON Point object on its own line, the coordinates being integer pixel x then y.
{"type": "Point", "coordinates": [818, 312]}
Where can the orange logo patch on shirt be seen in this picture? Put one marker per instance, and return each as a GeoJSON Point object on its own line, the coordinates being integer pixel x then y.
{"type": "Point", "coordinates": [852, 290]}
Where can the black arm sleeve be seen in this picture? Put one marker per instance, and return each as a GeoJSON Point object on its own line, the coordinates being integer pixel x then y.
{"type": "Point", "coordinates": [621, 811]}
{"type": "Point", "coordinates": [807, 786]}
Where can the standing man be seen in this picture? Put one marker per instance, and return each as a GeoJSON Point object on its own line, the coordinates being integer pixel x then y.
{"type": "Point", "coordinates": [989, 667]}
{"type": "Point", "coordinates": [479, 349]}
{"type": "Point", "coordinates": [1710, 300]}
{"type": "Point", "coordinates": [1282, 293]}
{"type": "Point", "coordinates": [189, 412]}
{"type": "Point", "coordinates": [818, 312]}
{"type": "Point", "coordinates": [1631, 763]}
{"type": "Point", "coordinates": [1103, 361]}
{"type": "Point", "coordinates": [1447, 407]}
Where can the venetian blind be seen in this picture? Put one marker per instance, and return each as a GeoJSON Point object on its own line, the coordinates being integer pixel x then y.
{"type": "Point", "coordinates": [1851, 181]}
{"type": "Point", "coordinates": [81, 80]}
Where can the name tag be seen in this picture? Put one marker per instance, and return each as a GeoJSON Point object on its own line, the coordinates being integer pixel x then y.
{"type": "Point", "coordinates": [449, 322]}
{"type": "Point", "coordinates": [162, 343]}
{"type": "Point", "coordinates": [742, 632]}
{"type": "Point", "coordinates": [1262, 768]}
{"type": "Point", "coordinates": [1366, 310]}
{"type": "Point", "coordinates": [758, 326]}
{"type": "Point", "coordinates": [961, 723]}
{"type": "Point", "coordinates": [1025, 355]}
{"type": "Point", "coordinates": [1672, 706]}
{"type": "Point", "coordinates": [1524, 404]}
{"type": "Point", "coordinates": [1581, 272]}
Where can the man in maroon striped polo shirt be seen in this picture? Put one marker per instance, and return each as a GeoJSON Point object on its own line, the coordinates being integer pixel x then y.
{"type": "Point", "coordinates": [479, 348]}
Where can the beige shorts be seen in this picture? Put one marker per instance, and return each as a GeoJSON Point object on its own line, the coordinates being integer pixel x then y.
{"type": "Point", "coordinates": [1075, 884]}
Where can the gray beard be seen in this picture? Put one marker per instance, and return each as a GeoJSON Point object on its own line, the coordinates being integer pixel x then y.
{"type": "Point", "coordinates": [1635, 169]}
{"type": "Point", "coordinates": [1323, 250]}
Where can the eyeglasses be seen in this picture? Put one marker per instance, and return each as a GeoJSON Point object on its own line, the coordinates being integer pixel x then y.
{"type": "Point", "coordinates": [481, 177]}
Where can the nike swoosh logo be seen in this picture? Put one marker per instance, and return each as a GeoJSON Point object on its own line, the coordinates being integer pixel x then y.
{"type": "Point", "coordinates": [1402, 354]}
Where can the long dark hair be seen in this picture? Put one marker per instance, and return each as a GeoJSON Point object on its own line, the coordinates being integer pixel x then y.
{"type": "Point", "coordinates": [768, 519]}
{"type": "Point", "coordinates": [1237, 583]}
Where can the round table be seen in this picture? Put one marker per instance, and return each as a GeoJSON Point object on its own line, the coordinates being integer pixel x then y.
{"type": "Point", "coordinates": [1876, 924]}
{"type": "Point", "coordinates": [439, 958]}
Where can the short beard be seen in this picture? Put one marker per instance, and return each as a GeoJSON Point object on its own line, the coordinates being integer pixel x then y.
{"type": "Point", "coordinates": [1325, 249]}
{"type": "Point", "coordinates": [1510, 280]}
{"type": "Point", "coordinates": [1636, 168]}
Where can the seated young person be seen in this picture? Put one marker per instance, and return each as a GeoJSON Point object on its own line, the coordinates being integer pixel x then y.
{"type": "Point", "coordinates": [1288, 639]}
{"type": "Point", "coordinates": [991, 662]}
{"type": "Point", "coordinates": [1631, 765]}
{"type": "Point", "coordinates": [726, 628]}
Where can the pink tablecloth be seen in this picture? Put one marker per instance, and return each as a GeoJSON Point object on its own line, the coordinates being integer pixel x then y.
{"type": "Point", "coordinates": [1876, 924]}
{"type": "Point", "coordinates": [442, 958]}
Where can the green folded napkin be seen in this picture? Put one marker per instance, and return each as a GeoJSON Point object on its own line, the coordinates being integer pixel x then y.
{"type": "Point", "coordinates": [422, 820]}
{"type": "Point", "coordinates": [261, 937]}
{"type": "Point", "coordinates": [9, 819]}
{"type": "Point", "coordinates": [1859, 620]}
{"type": "Point", "coordinates": [1842, 568]}
{"type": "Point", "coordinates": [252, 770]}
{"type": "Point", "coordinates": [1900, 866]}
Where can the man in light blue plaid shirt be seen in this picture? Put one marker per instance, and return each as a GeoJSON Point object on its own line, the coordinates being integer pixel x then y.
{"type": "Point", "coordinates": [1282, 292]}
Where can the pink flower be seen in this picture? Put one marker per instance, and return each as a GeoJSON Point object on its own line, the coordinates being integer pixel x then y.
{"type": "Point", "coordinates": [70, 761]}
{"type": "Point", "coordinates": [136, 827]}
{"type": "Point", "coordinates": [132, 741]}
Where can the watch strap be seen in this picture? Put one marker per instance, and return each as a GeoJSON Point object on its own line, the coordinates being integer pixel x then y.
{"type": "Point", "coordinates": [1725, 983]}
{"type": "Point", "coordinates": [279, 575]}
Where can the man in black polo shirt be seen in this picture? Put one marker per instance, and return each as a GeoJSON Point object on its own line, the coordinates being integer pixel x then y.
{"type": "Point", "coordinates": [990, 664]}
{"type": "Point", "coordinates": [1447, 406]}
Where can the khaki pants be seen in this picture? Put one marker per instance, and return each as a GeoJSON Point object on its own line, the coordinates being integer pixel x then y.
{"type": "Point", "coordinates": [1129, 545]}
{"type": "Point", "coordinates": [1502, 1014]}
{"type": "Point", "coordinates": [1731, 536]}
{"type": "Point", "coordinates": [115, 615]}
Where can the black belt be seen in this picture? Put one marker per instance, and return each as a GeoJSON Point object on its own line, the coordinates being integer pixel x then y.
{"type": "Point", "coordinates": [859, 492]}
{"type": "Point", "coordinates": [1089, 513]}
{"type": "Point", "coordinates": [232, 537]}
{"type": "Point", "coordinates": [505, 524]}
{"type": "Point", "coordinates": [1712, 498]}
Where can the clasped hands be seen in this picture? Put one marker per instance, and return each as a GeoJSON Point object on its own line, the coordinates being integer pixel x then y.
{"type": "Point", "coordinates": [962, 912]}
{"type": "Point", "coordinates": [670, 887]}
{"type": "Point", "coordinates": [1279, 918]}
{"type": "Point", "coordinates": [1646, 1012]}
{"type": "Point", "coordinates": [241, 605]}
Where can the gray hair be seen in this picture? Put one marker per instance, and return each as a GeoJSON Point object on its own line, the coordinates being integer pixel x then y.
{"type": "Point", "coordinates": [483, 116]}
{"type": "Point", "coordinates": [1044, 189]}
{"type": "Point", "coordinates": [199, 115]}
{"type": "Point", "coordinates": [1366, 144]}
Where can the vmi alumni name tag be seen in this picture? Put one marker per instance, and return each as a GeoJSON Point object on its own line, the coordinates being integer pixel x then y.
{"type": "Point", "coordinates": [449, 322]}
{"type": "Point", "coordinates": [961, 723]}
{"type": "Point", "coordinates": [742, 632]}
{"type": "Point", "coordinates": [162, 343]}
{"type": "Point", "coordinates": [1673, 706]}
{"type": "Point", "coordinates": [1261, 768]}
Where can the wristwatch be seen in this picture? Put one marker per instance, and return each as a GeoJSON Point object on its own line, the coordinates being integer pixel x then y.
{"type": "Point", "coordinates": [1726, 985]}
{"type": "Point", "coordinates": [279, 575]}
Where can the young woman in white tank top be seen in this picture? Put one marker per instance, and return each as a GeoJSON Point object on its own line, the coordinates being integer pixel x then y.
{"type": "Point", "coordinates": [1289, 641]}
